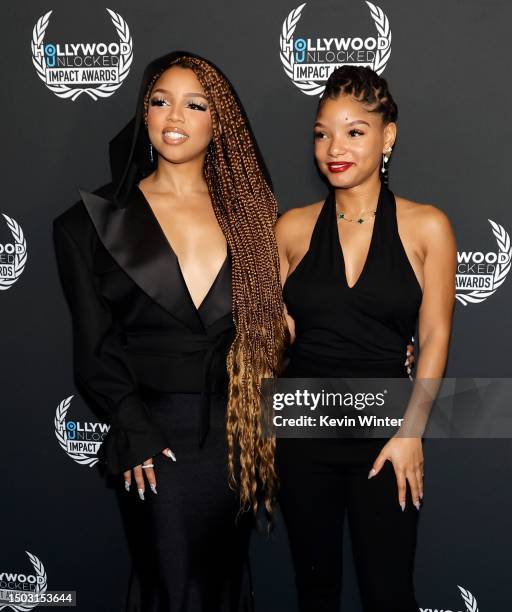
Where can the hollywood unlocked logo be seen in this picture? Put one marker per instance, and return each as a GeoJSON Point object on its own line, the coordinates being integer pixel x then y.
{"type": "Point", "coordinates": [309, 62]}
{"type": "Point", "coordinates": [80, 440]}
{"type": "Point", "coordinates": [17, 583]}
{"type": "Point", "coordinates": [479, 274]}
{"type": "Point", "coordinates": [13, 255]}
{"type": "Point", "coordinates": [72, 69]}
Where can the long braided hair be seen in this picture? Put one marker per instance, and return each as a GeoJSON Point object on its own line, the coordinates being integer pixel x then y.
{"type": "Point", "coordinates": [246, 211]}
{"type": "Point", "coordinates": [368, 87]}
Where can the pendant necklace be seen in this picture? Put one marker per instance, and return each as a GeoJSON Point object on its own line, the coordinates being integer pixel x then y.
{"type": "Point", "coordinates": [341, 216]}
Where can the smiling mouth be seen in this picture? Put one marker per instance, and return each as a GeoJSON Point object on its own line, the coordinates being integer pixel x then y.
{"type": "Point", "coordinates": [174, 136]}
{"type": "Point", "coordinates": [339, 166]}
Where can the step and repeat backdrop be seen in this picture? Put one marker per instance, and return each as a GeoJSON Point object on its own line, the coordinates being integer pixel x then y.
{"type": "Point", "coordinates": [70, 79]}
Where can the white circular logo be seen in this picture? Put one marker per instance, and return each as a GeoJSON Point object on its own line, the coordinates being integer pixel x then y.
{"type": "Point", "coordinates": [80, 440]}
{"type": "Point", "coordinates": [13, 255]}
{"type": "Point", "coordinates": [480, 274]}
{"type": "Point", "coordinates": [15, 583]}
{"type": "Point", "coordinates": [73, 69]}
{"type": "Point", "coordinates": [309, 62]}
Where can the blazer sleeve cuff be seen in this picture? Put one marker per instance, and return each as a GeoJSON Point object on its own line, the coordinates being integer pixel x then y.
{"type": "Point", "coordinates": [132, 438]}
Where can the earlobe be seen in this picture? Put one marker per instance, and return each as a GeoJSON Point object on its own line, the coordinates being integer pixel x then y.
{"type": "Point", "coordinates": [389, 135]}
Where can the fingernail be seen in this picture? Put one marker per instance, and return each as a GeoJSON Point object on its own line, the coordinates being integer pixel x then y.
{"type": "Point", "coordinates": [141, 493]}
{"type": "Point", "coordinates": [408, 370]}
{"type": "Point", "coordinates": [171, 454]}
{"type": "Point", "coordinates": [408, 353]}
{"type": "Point", "coordinates": [417, 504]}
{"type": "Point", "coordinates": [421, 494]}
{"type": "Point", "coordinates": [371, 473]}
{"type": "Point", "coordinates": [153, 488]}
{"type": "Point", "coordinates": [406, 362]}
{"type": "Point", "coordinates": [126, 485]}
{"type": "Point", "coordinates": [402, 505]}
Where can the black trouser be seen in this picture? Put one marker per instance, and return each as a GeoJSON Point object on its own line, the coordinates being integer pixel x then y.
{"type": "Point", "coordinates": [320, 481]}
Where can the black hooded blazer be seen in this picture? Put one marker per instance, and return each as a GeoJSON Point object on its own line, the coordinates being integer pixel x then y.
{"type": "Point", "coordinates": [135, 325]}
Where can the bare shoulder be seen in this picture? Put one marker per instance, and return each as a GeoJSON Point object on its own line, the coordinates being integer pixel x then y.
{"type": "Point", "coordinates": [428, 219]}
{"type": "Point", "coordinates": [297, 222]}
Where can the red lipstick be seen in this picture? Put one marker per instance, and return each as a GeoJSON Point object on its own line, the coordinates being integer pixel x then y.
{"type": "Point", "coordinates": [339, 166]}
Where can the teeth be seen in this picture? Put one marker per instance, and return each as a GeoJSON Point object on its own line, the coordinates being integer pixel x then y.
{"type": "Point", "coordinates": [175, 135]}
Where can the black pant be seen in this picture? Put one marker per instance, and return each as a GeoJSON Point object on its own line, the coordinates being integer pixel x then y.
{"type": "Point", "coordinates": [320, 481]}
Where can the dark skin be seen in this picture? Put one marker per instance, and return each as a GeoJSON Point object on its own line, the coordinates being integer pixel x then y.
{"type": "Point", "coordinates": [346, 130]}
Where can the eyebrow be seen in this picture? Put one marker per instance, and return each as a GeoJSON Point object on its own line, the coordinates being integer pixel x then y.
{"type": "Point", "coordinates": [188, 94]}
{"type": "Point", "coordinates": [320, 124]}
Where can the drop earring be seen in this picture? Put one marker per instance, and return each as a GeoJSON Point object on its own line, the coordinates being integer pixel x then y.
{"type": "Point", "coordinates": [151, 153]}
{"type": "Point", "coordinates": [385, 158]}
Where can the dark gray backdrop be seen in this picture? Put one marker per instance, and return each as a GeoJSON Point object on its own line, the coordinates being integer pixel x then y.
{"type": "Point", "coordinates": [449, 73]}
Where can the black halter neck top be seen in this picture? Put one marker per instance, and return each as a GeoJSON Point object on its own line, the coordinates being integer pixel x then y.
{"type": "Point", "coordinates": [358, 331]}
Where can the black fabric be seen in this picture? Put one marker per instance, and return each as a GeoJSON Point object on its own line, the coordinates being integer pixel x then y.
{"type": "Point", "coordinates": [340, 329]}
{"type": "Point", "coordinates": [152, 373]}
{"type": "Point", "coordinates": [193, 556]}
{"type": "Point", "coordinates": [102, 372]}
{"type": "Point", "coordinates": [358, 332]}
{"type": "Point", "coordinates": [324, 482]}
{"type": "Point", "coordinates": [135, 323]}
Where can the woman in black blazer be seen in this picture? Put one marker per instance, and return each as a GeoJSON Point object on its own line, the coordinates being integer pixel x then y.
{"type": "Point", "coordinates": [172, 373]}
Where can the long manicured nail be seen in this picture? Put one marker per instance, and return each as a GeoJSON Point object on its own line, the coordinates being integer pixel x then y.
{"type": "Point", "coordinates": [371, 473]}
{"type": "Point", "coordinates": [171, 454]}
{"type": "Point", "coordinates": [406, 362]}
{"type": "Point", "coordinates": [408, 353]}
{"type": "Point", "coordinates": [126, 485]}
{"type": "Point", "coordinates": [141, 493]}
{"type": "Point", "coordinates": [417, 504]}
{"type": "Point", "coordinates": [153, 488]}
{"type": "Point", "coordinates": [421, 494]}
{"type": "Point", "coordinates": [402, 505]}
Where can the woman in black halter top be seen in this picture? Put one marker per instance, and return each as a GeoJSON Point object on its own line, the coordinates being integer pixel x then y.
{"type": "Point", "coordinates": [352, 330]}
{"type": "Point", "coordinates": [360, 272]}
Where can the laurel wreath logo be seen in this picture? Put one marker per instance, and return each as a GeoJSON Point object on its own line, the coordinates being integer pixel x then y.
{"type": "Point", "coordinates": [41, 585]}
{"type": "Point", "coordinates": [102, 91]}
{"type": "Point", "coordinates": [313, 88]}
{"type": "Point", "coordinates": [500, 273]}
{"type": "Point", "coordinates": [469, 600]}
{"type": "Point", "coordinates": [20, 259]}
{"type": "Point", "coordinates": [62, 437]}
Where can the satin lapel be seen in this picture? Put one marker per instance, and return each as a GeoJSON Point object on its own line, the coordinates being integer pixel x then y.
{"type": "Point", "coordinates": [135, 240]}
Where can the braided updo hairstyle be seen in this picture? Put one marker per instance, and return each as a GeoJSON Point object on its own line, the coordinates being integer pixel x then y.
{"type": "Point", "coordinates": [246, 211]}
{"type": "Point", "coordinates": [366, 86]}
